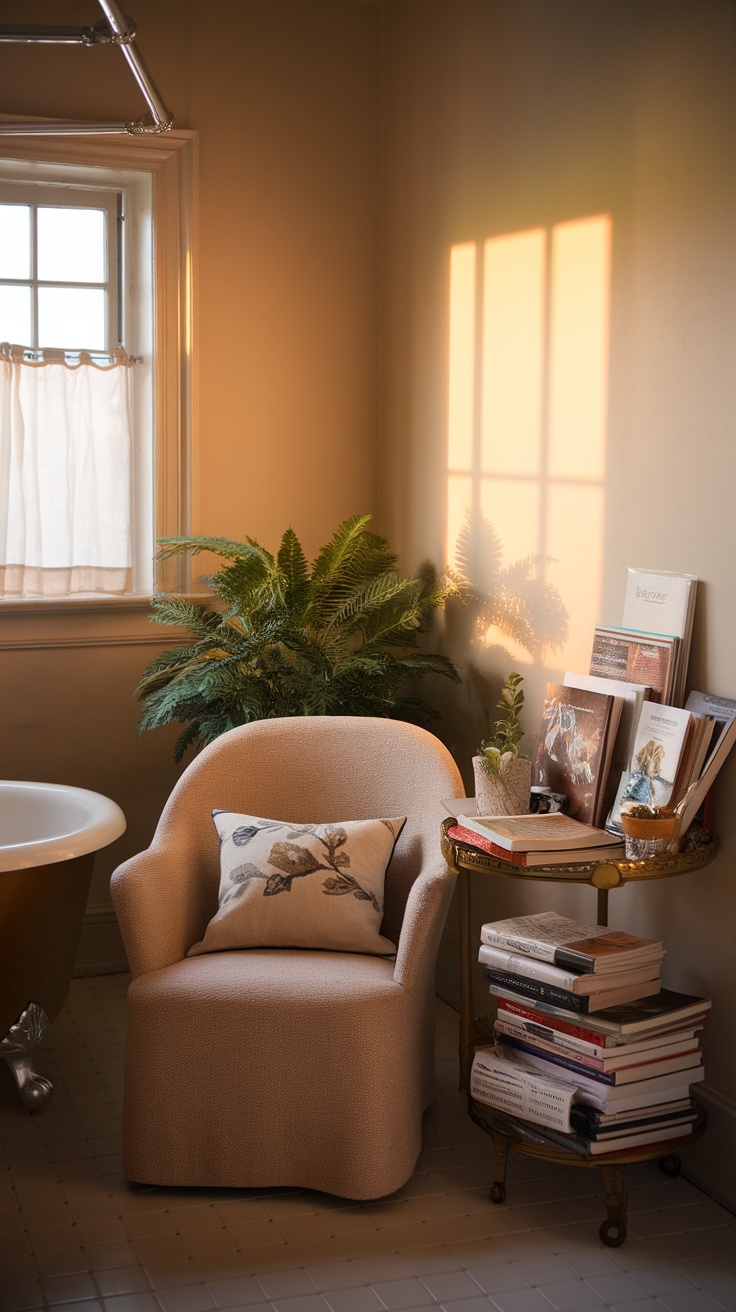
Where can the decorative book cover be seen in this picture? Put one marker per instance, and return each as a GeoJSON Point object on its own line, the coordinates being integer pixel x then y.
{"type": "Point", "coordinates": [659, 601]}
{"type": "Point", "coordinates": [635, 657]}
{"type": "Point", "coordinates": [658, 746]}
{"type": "Point", "coordinates": [571, 747]}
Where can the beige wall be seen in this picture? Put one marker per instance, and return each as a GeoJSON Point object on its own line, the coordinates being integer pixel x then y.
{"type": "Point", "coordinates": [510, 119]}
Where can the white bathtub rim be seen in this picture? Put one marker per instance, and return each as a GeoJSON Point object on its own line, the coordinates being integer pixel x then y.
{"type": "Point", "coordinates": [104, 823]}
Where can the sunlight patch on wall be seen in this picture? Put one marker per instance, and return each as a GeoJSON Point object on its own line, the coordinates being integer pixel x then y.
{"type": "Point", "coordinates": [513, 354]}
{"type": "Point", "coordinates": [528, 372]}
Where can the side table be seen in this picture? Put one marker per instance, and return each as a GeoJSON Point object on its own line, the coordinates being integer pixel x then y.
{"type": "Point", "coordinates": [507, 1131]}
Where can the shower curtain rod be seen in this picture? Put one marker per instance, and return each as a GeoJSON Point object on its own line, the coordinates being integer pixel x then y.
{"type": "Point", "coordinates": [115, 29]}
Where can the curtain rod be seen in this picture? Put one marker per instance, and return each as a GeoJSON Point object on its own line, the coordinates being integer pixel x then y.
{"type": "Point", "coordinates": [115, 29]}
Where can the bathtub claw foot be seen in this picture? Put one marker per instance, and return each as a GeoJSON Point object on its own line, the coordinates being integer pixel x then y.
{"type": "Point", "coordinates": [18, 1050]}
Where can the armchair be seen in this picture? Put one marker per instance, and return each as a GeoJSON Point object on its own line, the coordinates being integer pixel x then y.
{"type": "Point", "coordinates": [285, 1067]}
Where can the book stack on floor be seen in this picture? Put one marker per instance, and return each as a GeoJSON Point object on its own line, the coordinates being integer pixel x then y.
{"type": "Point", "coordinates": [589, 1047]}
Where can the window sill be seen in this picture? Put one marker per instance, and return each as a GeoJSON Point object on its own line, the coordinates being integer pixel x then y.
{"type": "Point", "coordinates": [38, 623]}
{"type": "Point", "coordinates": [74, 605]}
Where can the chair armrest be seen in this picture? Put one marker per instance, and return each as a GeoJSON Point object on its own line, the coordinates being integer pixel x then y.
{"type": "Point", "coordinates": [424, 919]}
{"type": "Point", "coordinates": [162, 902]}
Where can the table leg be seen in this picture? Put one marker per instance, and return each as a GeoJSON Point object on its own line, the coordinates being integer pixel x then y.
{"type": "Point", "coordinates": [501, 1149]}
{"type": "Point", "coordinates": [613, 1230]}
{"type": "Point", "coordinates": [466, 981]}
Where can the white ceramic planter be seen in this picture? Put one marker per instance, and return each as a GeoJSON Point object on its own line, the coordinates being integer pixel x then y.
{"type": "Point", "coordinates": [508, 795]}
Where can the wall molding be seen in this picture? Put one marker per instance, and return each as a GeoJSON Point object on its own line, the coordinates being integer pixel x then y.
{"type": "Point", "coordinates": [711, 1162]}
{"type": "Point", "coordinates": [99, 640]}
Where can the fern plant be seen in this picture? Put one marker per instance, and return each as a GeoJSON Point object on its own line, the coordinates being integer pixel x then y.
{"type": "Point", "coordinates": [339, 638]}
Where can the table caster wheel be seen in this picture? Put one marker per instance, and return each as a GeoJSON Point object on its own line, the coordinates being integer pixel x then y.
{"type": "Point", "coordinates": [612, 1233]}
{"type": "Point", "coordinates": [670, 1165]}
{"type": "Point", "coordinates": [498, 1192]}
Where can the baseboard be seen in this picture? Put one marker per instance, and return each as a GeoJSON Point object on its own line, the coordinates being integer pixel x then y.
{"type": "Point", "coordinates": [100, 950]}
{"type": "Point", "coordinates": [711, 1162]}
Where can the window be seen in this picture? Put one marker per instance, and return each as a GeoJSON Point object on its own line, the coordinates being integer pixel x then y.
{"type": "Point", "coordinates": [60, 267]}
{"type": "Point", "coordinates": [96, 258]}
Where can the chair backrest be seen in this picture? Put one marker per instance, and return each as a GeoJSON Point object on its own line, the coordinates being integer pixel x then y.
{"type": "Point", "coordinates": [315, 769]}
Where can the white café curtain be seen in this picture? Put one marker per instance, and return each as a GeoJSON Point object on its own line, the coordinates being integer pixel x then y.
{"type": "Point", "coordinates": [65, 473]}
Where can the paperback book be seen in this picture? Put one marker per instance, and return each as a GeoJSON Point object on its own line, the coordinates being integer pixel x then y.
{"type": "Point", "coordinates": [528, 1022]}
{"type": "Point", "coordinates": [624, 1022]}
{"type": "Point", "coordinates": [573, 980]}
{"type": "Point", "coordinates": [622, 1143]}
{"type": "Point", "coordinates": [535, 833]}
{"type": "Point", "coordinates": [659, 746]}
{"type": "Point", "coordinates": [639, 1093]}
{"type": "Point", "coordinates": [563, 942]}
{"type": "Point", "coordinates": [565, 999]}
{"type": "Point", "coordinates": [612, 850]}
{"type": "Point", "coordinates": [661, 601]}
{"type": "Point", "coordinates": [621, 1075]}
{"type": "Point", "coordinates": [499, 1080]}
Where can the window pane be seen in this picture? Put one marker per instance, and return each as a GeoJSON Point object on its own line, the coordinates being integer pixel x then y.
{"type": "Point", "coordinates": [15, 241]}
{"type": "Point", "coordinates": [71, 244]}
{"type": "Point", "coordinates": [15, 315]}
{"type": "Point", "coordinates": [72, 317]}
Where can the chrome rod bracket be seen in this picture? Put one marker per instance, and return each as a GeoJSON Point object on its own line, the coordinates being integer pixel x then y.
{"type": "Point", "coordinates": [114, 29]}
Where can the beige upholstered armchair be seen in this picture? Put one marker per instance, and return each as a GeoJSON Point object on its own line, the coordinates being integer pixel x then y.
{"type": "Point", "coordinates": [285, 1067]}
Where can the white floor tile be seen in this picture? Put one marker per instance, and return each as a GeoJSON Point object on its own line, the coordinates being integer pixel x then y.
{"type": "Point", "coordinates": [75, 1236]}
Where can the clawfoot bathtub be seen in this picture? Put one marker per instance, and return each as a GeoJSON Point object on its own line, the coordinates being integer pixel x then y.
{"type": "Point", "coordinates": [49, 834]}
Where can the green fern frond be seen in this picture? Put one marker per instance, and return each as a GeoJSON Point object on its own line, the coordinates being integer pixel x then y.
{"type": "Point", "coordinates": [332, 557]}
{"type": "Point", "coordinates": [291, 560]}
{"type": "Point", "coordinates": [224, 547]}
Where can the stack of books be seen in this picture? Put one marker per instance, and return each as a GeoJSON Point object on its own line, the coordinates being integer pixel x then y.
{"type": "Point", "coordinates": [599, 1064]}
{"type": "Point", "coordinates": [537, 840]}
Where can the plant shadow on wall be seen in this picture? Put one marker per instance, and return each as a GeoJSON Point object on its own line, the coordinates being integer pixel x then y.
{"type": "Point", "coordinates": [283, 639]}
{"type": "Point", "coordinates": [496, 601]}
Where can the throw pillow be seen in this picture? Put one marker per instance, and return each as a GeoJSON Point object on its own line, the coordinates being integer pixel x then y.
{"type": "Point", "coordinates": [301, 886]}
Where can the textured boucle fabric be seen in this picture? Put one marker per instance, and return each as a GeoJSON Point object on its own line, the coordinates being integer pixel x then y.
{"type": "Point", "coordinates": [272, 1067]}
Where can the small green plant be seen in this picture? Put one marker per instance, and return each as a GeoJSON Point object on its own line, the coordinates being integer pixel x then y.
{"type": "Point", "coordinates": [507, 732]}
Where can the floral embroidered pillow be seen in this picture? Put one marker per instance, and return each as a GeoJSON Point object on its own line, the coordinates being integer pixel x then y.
{"type": "Point", "coordinates": [301, 886]}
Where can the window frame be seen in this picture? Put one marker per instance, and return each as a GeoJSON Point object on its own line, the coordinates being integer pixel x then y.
{"type": "Point", "coordinates": [171, 163]}
{"type": "Point", "coordinates": [41, 194]}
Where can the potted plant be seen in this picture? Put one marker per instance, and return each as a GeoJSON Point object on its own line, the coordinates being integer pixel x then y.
{"type": "Point", "coordinates": [281, 638]}
{"type": "Point", "coordinates": [503, 775]}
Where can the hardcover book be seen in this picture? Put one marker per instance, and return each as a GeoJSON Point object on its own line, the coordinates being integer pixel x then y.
{"type": "Point", "coordinates": [573, 746]}
{"type": "Point", "coordinates": [635, 657]}
{"type": "Point", "coordinates": [628, 698]}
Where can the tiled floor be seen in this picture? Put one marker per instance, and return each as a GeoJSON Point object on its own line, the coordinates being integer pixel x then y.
{"type": "Point", "coordinates": [74, 1235]}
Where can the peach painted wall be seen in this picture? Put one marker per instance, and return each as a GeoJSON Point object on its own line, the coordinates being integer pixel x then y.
{"type": "Point", "coordinates": [560, 191]}
{"type": "Point", "coordinates": [285, 98]}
